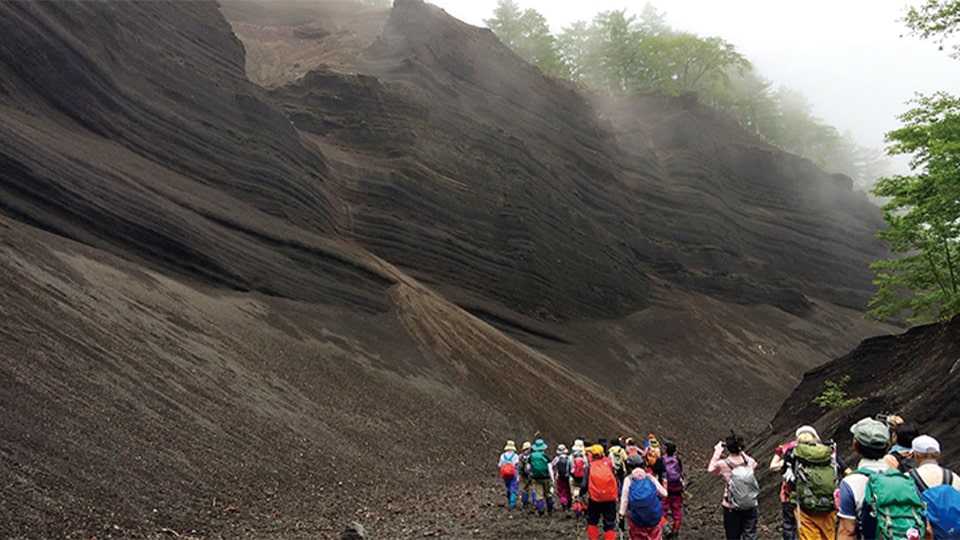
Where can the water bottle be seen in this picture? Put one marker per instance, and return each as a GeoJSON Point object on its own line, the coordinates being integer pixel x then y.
{"type": "Point", "coordinates": [913, 534]}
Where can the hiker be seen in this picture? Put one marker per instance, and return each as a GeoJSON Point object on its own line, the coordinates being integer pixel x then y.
{"type": "Point", "coordinates": [740, 513]}
{"type": "Point", "coordinates": [675, 484]}
{"type": "Point", "coordinates": [618, 456]}
{"type": "Point", "coordinates": [938, 486]}
{"type": "Point", "coordinates": [577, 469]}
{"type": "Point", "coordinates": [788, 503]}
{"type": "Point", "coordinates": [640, 505]}
{"type": "Point", "coordinates": [540, 473]}
{"type": "Point", "coordinates": [631, 447]}
{"type": "Point", "coordinates": [600, 487]}
{"type": "Point", "coordinates": [900, 455]}
{"type": "Point", "coordinates": [812, 473]}
{"type": "Point", "coordinates": [561, 467]}
{"type": "Point", "coordinates": [653, 454]}
{"type": "Point", "coordinates": [875, 489]}
{"type": "Point", "coordinates": [525, 486]}
{"type": "Point", "coordinates": [509, 466]}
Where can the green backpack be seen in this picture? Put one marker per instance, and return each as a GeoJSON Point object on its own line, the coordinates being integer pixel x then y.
{"type": "Point", "coordinates": [816, 478]}
{"type": "Point", "coordinates": [539, 465]}
{"type": "Point", "coordinates": [894, 500]}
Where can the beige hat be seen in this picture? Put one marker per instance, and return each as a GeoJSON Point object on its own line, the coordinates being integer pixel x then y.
{"type": "Point", "coordinates": [527, 445]}
{"type": "Point", "coordinates": [561, 449]}
{"type": "Point", "coordinates": [809, 431]}
{"type": "Point", "coordinates": [578, 445]}
{"type": "Point", "coordinates": [510, 447]}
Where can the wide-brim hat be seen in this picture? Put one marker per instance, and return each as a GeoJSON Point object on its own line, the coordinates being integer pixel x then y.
{"type": "Point", "coordinates": [539, 445]}
{"type": "Point", "coordinates": [578, 445]}
{"type": "Point", "coordinates": [561, 449]}
{"type": "Point", "coordinates": [510, 447]}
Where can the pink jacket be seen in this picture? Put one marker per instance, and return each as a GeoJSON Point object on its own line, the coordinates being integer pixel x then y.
{"type": "Point", "coordinates": [638, 475]}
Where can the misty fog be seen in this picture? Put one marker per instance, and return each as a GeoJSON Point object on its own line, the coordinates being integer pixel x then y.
{"type": "Point", "coordinates": [852, 59]}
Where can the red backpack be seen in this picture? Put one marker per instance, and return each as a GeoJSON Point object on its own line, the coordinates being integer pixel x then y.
{"type": "Point", "coordinates": [508, 470]}
{"type": "Point", "coordinates": [579, 466]}
{"type": "Point", "coordinates": [603, 483]}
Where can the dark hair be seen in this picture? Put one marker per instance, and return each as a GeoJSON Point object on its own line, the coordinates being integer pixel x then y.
{"type": "Point", "coordinates": [671, 448]}
{"type": "Point", "coordinates": [734, 443]}
{"type": "Point", "coordinates": [870, 452]}
{"type": "Point", "coordinates": [906, 433]}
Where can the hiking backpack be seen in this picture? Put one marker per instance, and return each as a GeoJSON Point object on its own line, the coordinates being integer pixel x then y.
{"type": "Point", "coordinates": [674, 473]}
{"type": "Point", "coordinates": [643, 502]}
{"type": "Point", "coordinates": [563, 468]}
{"type": "Point", "coordinates": [895, 502]}
{"type": "Point", "coordinates": [525, 465]}
{"type": "Point", "coordinates": [539, 465]}
{"type": "Point", "coordinates": [815, 478]}
{"type": "Point", "coordinates": [943, 505]}
{"type": "Point", "coordinates": [616, 458]}
{"type": "Point", "coordinates": [508, 470]}
{"type": "Point", "coordinates": [603, 483]}
{"type": "Point", "coordinates": [579, 466]}
{"type": "Point", "coordinates": [743, 490]}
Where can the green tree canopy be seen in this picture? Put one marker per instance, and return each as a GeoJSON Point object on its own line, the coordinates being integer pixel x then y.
{"type": "Point", "coordinates": [528, 34]}
{"type": "Point", "coordinates": [620, 53]}
{"type": "Point", "coordinates": [936, 19]}
{"type": "Point", "coordinates": [923, 214]}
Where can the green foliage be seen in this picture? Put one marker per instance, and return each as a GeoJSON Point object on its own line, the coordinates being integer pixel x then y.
{"type": "Point", "coordinates": [619, 53]}
{"type": "Point", "coordinates": [923, 216]}
{"type": "Point", "coordinates": [834, 395]}
{"type": "Point", "coordinates": [528, 34]}
{"type": "Point", "coordinates": [936, 19]}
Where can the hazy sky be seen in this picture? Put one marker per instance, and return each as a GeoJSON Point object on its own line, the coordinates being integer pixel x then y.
{"type": "Point", "coordinates": [847, 56]}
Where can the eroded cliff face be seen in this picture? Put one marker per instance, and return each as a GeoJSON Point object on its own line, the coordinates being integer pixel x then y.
{"type": "Point", "coordinates": [223, 305]}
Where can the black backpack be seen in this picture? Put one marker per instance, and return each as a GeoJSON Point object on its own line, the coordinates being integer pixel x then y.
{"type": "Point", "coordinates": [563, 467]}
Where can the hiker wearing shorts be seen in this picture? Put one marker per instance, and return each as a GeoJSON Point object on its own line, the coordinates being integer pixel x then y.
{"type": "Point", "coordinates": [600, 488]}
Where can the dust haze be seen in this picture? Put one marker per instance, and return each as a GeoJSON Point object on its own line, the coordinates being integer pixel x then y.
{"type": "Point", "coordinates": [857, 75]}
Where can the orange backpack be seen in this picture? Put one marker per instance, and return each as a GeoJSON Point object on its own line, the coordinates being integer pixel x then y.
{"type": "Point", "coordinates": [603, 483]}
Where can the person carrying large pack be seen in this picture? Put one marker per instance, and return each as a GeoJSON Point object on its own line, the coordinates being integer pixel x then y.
{"type": "Point", "coordinates": [740, 506]}
{"type": "Point", "coordinates": [653, 453]}
{"type": "Point", "coordinates": [599, 486]}
{"type": "Point", "coordinates": [561, 466]}
{"type": "Point", "coordinates": [815, 479]}
{"type": "Point", "coordinates": [526, 489]}
{"type": "Point", "coordinates": [618, 456]}
{"type": "Point", "coordinates": [939, 489]}
{"type": "Point", "coordinates": [509, 468]}
{"type": "Point", "coordinates": [540, 473]}
{"type": "Point", "coordinates": [578, 467]}
{"type": "Point", "coordinates": [676, 485]}
{"type": "Point", "coordinates": [640, 502]}
{"type": "Point", "coordinates": [877, 502]}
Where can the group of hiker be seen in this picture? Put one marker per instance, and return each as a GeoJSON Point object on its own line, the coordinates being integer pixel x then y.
{"type": "Point", "coordinates": [897, 490]}
{"type": "Point", "coordinates": [615, 483]}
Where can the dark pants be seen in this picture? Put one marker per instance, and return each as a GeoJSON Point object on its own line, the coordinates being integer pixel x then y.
{"type": "Point", "coordinates": [605, 510]}
{"type": "Point", "coordinates": [740, 524]}
{"type": "Point", "coordinates": [789, 521]}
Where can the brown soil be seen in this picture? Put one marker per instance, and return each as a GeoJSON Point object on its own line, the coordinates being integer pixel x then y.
{"type": "Point", "coordinates": [237, 312]}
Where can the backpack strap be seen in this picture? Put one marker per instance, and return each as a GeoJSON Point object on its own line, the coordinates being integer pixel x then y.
{"type": "Point", "coordinates": [947, 477]}
{"type": "Point", "coordinates": [919, 481]}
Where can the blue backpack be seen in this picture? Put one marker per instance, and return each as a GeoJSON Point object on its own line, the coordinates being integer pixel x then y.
{"type": "Point", "coordinates": [644, 503]}
{"type": "Point", "coordinates": [943, 506]}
